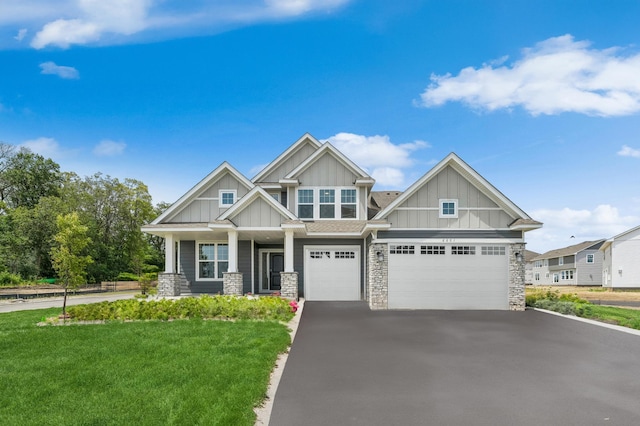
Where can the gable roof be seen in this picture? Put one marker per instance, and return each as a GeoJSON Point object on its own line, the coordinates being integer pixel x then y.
{"type": "Point", "coordinates": [306, 139]}
{"type": "Point", "coordinates": [200, 186]}
{"type": "Point", "coordinates": [569, 251]}
{"type": "Point", "coordinates": [327, 148]}
{"type": "Point", "coordinates": [250, 197]}
{"type": "Point", "coordinates": [609, 241]}
{"type": "Point", "coordinates": [522, 220]}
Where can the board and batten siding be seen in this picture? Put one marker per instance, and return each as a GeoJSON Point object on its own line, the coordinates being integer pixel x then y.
{"type": "Point", "coordinates": [290, 163]}
{"type": "Point", "coordinates": [475, 209]}
{"type": "Point", "coordinates": [206, 206]}
{"type": "Point", "coordinates": [327, 171]}
{"type": "Point", "coordinates": [258, 214]}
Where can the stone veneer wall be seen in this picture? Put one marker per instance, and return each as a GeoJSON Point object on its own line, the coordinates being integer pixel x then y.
{"type": "Point", "coordinates": [169, 284]}
{"type": "Point", "coordinates": [232, 283]}
{"type": "Point", "coordinates": [289, 285]}
{"type": "Point", "coordinates": [378, 277]}
{"type": "Point", "coordinates": [516, 278]}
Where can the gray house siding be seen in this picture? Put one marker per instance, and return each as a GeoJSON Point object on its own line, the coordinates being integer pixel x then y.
{"type": "Point", "coordinates": [258, 214]}
{"type": "Point", "coordinates": [244, 265]}
{"type": "Point", "coordinates": [449, 233]}
{"type": "Point", "coordinates": [475, 210]}
{"type": "Point", "coordinates": [290, 163]}
{"type": "Point", "coordinates": [298, 256]}
{"type": "Point", "coordinates": [206, 207]}
{"type": "Point", "coordinates": [589, 273]}
{"type": "Point", "coordinates": [327, 171]}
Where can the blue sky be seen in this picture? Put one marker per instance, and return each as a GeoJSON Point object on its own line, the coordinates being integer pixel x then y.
{"type": "Point", "coordinates": [541, 97]}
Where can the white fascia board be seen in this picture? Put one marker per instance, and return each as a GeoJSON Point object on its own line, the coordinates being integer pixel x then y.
{"type": "Point", "coordinates": [606, 244]}
{"type": "Point", "coordinates": [256, 192]}
{"type": "Point", "coordinates": [289, 182]}
{"type": "Point", "coordinates": [525, 228]}
{"type": "Point", "coordinates": [365, 182]}
{"type": "Point", "coordinates": [162, 231]}
{"type": "Point", "coordinates": [449, 240]}
{"type": "Point", "coordinates": [191, 194]}
{"type": "Point", "coordinates": [469, 173]}
{"type": "Point", "coordinates": [327, 147]}
{"type": "Point", "coordinates": [229, 225]}
{"type": "Point", "coordinates": [629, 231]}
{"type": "Point", "coordinates": [282, 157]}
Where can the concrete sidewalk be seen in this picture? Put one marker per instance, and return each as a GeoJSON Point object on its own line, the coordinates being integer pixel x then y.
{"type": "Point", "coordinates": [12, 305]}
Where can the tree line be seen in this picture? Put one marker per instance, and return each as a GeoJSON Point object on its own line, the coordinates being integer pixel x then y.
{"type": "Point", "coordinates": [34, 192]}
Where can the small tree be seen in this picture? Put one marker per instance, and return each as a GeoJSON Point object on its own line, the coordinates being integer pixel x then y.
{"type": "Point", "coordinates": [66, 256]}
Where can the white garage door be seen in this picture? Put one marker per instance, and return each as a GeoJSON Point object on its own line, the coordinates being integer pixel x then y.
{"type": "Point", "coordinates": [448, 276]}
{"type": "Point", "coordinates": [332, 272]}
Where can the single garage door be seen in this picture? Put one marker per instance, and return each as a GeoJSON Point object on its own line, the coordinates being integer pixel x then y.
{"type": "Point", "coordinates": [448, 276]}
{"type": "Point", "coordinates": [332, 272]}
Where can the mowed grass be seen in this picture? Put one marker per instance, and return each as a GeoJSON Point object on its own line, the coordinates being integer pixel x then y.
{"type": "Point", "coordinates": [620, 316]}
{"type": "Point", "coordinates": [184, 372]}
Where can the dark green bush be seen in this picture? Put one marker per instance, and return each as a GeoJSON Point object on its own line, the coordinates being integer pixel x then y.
{"type": "Point", "coordinates": [127, 276]}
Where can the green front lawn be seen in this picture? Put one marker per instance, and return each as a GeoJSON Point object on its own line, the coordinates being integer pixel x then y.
{"type": "Point", "coordinates": [619, 316]}
{"type": "Point", "coordinates": [184, 372]}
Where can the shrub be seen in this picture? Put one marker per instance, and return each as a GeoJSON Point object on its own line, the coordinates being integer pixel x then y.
{"type": "Point", "coordinates": [224, 307]}
{"type": "Point", "coordinates": [127, 276]}
{"type": "Point", "coordinates": [563, 307]}
{"type": "Point", "coordinates": [8, 279]}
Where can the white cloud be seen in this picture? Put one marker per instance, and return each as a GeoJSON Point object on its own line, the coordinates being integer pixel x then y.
{"type": "Point", "coordinates": [47, 147]}
{"type": "Point", "coordinates": [604, 221]}
{"type": "Point", "coordinates": [59, 70]}
{"type": "Point", "coordinates": [627, 151]}
{"type": "Point", "coordinates": [103, 22]}
{"type": "Point", "coordinates": [383, 159]}
{"type": "Point", "coordinates": [21, 34]}
{"type": "Point", "coordinates": [108, 148]}
{"type": "Point", "coordinates": [557, 75]}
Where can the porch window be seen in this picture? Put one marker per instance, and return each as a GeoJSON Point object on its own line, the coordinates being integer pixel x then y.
{"type": "Point", "coordinates": [305, 203]}
{"type": "Point", "coordinates": [348, 203]}
{"type": "Point", "coordinates": [213, 260]}
{"type": "Point", "coordinates": [327, 203]}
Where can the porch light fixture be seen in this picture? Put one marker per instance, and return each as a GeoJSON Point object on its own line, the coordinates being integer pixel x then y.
{"type": "Point", "coordinates": [518, 256]}
{"type": "Point", "coordinates": [380, 256]}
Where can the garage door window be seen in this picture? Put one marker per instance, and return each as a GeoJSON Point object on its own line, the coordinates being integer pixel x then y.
{"type": "Point", "coordinates": [432, 250]}
{"type": "Point", "coordinates": [320, 255]}
{"type": "Point", "coordinates": [345, 255]}
{"type": "Point", "coordinates": [493, 251]}
{"type": "Point", "coordinates": [464, 250]}
{"type": "Point", "coordinates": [402, 249]}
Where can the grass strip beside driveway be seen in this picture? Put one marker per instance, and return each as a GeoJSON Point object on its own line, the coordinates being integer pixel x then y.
{"type": "Point", "coordinates": [147, 373]}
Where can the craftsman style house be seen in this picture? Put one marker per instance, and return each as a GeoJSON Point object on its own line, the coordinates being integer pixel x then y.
{"type": "Point", "coordinates": [308, 225]}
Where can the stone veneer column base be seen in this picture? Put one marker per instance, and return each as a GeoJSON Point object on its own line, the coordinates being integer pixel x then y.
{"type": "Point", "coordinates": [169, 284]}
{"type": "Point", "coordinates": [378, 277]}
{"type": "Point", "coordinates": [232, 283]}
{"type": "Point", "coordinates": [289, 285]}
{"type": "Point", "coordinates": [516, 278]}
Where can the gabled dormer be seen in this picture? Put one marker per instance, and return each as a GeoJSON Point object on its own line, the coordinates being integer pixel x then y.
{"type": "Point", "coordinates": [328, 186]}
{"type": "Point", "coordinates": [299, 151]}
{"type": "Point", "coordinates": [211, 197]}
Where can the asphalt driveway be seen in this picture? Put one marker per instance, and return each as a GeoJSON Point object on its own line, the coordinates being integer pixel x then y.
{"type": "Point", "coordinates": [352, 366]}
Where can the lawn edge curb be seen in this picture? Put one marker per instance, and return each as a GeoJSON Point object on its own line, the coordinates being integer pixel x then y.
{"type": "Point", "coordinates": [593, 322]}
{"type": "Point", "coordinates": [263, 413]}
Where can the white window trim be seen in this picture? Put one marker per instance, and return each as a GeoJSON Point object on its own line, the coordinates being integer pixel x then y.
{"type": "Point", "coordinates": [337, 202]}
{"type": "Point", "coordinates": [593, 258]}
{"type": "Point", "coordinates": [441, 214]}
{"type": "Point", "coordinates": [215, 261]}
{"type": "Point", "coordinates": [560, 261]}
{"type": "Point", "coordinates": [227, 191]}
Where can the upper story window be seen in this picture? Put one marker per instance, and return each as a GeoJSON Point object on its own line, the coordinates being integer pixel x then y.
{"type": "Point", "coordinates": [561, 261]}
{"type": "Point", "coordinates": [227, 197]}
{"type": "Point", "coordinates": [448, 209]}
{"type": "Point", "coordinates": [537, 264]}
{"type": "Point", "coordinates": [327, 203]}
{"type": "Point", "coordinates": [590, 258]}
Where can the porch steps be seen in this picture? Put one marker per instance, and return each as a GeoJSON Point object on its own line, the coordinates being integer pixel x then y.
{"type": "Point", "coordinates": [185, 288]}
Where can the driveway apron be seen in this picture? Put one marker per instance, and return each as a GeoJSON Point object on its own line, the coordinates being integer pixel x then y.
{"type": "Point", "coordinates": [352, 366]}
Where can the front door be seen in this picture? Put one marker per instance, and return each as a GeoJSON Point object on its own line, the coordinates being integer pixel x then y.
{"type": "Point", "coordinates": [271, 264]}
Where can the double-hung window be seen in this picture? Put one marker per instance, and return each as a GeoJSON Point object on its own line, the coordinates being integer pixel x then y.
{"type": "Point", "coordinates": [327, 203]}
{"type": "Point", "coordinates": [348, 203]}
{"type": "Point", "coordinates": [590, 258]}
{"type": "Point", "coordinates": [213, 261]}
{"type": "Point", "coordinates": [305, 203]}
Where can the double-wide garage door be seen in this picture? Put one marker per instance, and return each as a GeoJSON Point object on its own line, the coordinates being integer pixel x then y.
{"type": "Point", "coordinates": [448, 276]}
{"type": "Point", "coordinates": [332, 272]}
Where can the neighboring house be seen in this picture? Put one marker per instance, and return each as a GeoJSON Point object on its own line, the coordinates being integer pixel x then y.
{"type": "Point", "coordinates": [579, 264]}
{"type": "Point", "coordinates": [621, 264]}
{"type": "Point", "coordinates": [308, 225]}
{"type": "Point", "coordinates": [528, 266]}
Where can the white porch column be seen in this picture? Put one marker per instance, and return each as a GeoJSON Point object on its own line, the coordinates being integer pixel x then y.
{"type": "Point", "coordinates": [169, 254]}
{"type": "Point", "coordinates": [233, 250]}
{"type": "Point", "coordinates": [288, 250]}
